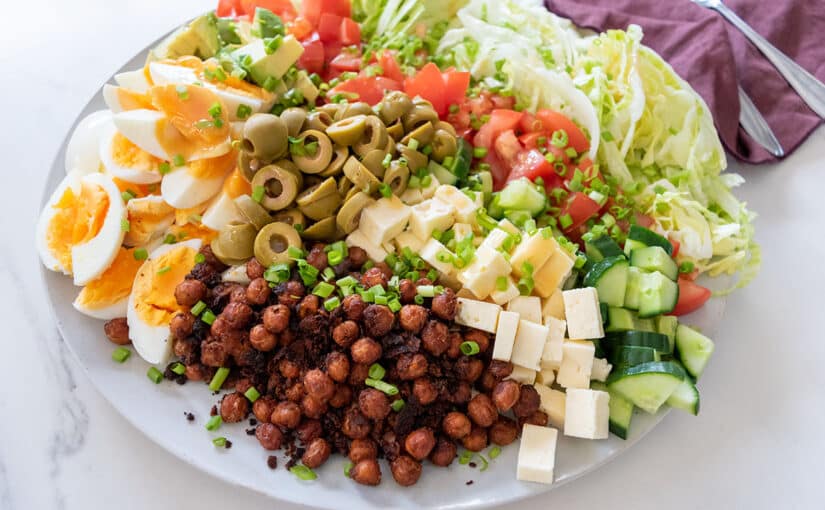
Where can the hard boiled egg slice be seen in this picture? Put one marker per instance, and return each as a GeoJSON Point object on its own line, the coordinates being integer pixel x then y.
{"type": "Point", "coordinates": [198, 181]}
{"type": "Point", "coordinates": [120, 99]}
{"type": "Point", "coordinates": [126, 161]}
{"type": "Point", "coordinates": [106, 296]}
{"type": "Point", "coordinates": [133, 80]}
{"type": "Point", "coordinates": [222, 211]}
{"type": "Point", "coordinates": [82, 151]}
{"type": "Point", "coordinates": [82, 227]}
{"type": "Point", "coordinates": [149, 218]}
{"type": "Point", "coordinates": [152, 303]}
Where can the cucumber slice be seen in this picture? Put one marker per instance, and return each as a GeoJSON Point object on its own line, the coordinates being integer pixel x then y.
{"type": "Point", "coordinates": [631, 355]}
{"type": "Point", "coordinates": [621, 410]}
{"type": "Point", "coordinates": [493, 208]}
{"type": "Point", "coordinates": [694, 349]}
{"type": "Point", "coordinates": [443, 175]}
{"type": "Point", "coordinates": [645, 325]}
{"type": "Point", "coordinates": [634, 284]}
{"type": "Point", "coordinates": [655, 341]}
{"type": "Point", "coordinates": [666, 325]}
{"type": "Point", "coordinates": [609, 276]}
{"type": "Point", "coordinates": [654, 258]}
{"type": "Point", "coordinates": [630, 245]}
{"type": "Point", "coordinates": [648, 237]}
{"type": "Point", "coordinates": [648, 385]}
{"type": "Point", "coordinates": [521, 194]}
{"type": "Point", "coordinates": [657, 295]}
{"type": "Point", "coordinates": [463, 159]}
{"type": "Point", "coordinates": [602, 248]}
{"type": "Point", "coordinates": [685, 397]}
{"type": "Point", "coordinates": [619, 319]}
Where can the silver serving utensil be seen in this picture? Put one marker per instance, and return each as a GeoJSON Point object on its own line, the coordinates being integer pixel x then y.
{"type": "Point", "coordinates": [755, 125]}
{"type": "Point", "coordinates": [810, 89]}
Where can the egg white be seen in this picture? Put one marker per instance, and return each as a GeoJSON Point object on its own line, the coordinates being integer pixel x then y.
{"type": "Point", "coordinates": [82, 152]}
{"type": "Point", "coordinates": [236, 274]}
{"type": "Point", "coordinates": [156, 230]}
{"type": "Point", "coordinates": [124, 173]}
{"type": "Point", "coordinates": [152, 342]}
{"type": "Point", "coordinates": [134, 80]}
{"type": "Point", "coordinates": [72, 180]}
{"type": "Point", "coordinates": [221, 212]}
{"type": "Point", "coordinates": [106, 313]}
{"type": "Point", "coordinates": [182, 190]}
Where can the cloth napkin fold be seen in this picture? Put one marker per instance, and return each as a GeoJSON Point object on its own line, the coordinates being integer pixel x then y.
{"type": "Point", "coordinates": [713, 57]}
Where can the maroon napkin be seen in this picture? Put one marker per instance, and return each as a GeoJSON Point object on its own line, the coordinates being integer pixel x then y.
{"type": "Point", "coordinates": [714, 56]}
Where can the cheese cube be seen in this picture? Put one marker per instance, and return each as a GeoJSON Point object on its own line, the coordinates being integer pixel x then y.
{"type": "Point", "coordinates": [431, 215]}
{"type": "Point", "coordinates": [529, 307]}
{"type": "Point", "coordinates": [584, 317]}
{"type": "Point", "coordinates": [465, 207]}
{"type": "Point", "coordinates": [413, 196]}
{"type": "Point", "coordinates": [502, 297]}
{"type": "Point", "coordinates": [384, 219]}
{"type": "Point", "coordinates": [505, 335]}
{"type": "Point", "coordinates": [481, 275]}
{"type": "Point", "coordinates": [477, 314]}
{"type": "Point", "coordinates": [462, 230]}
{"type": "Point", "coordinates": [553, 352]}
{"type": "Point", "coordinates": [601, 369]}
{"type": "Point", "coordinates": [546, 376]}
{"type": "Point", "coordinates": [534, 250]}
{"type": "Point", "coordinates": [508, 227]}
{"type": "Point", "coordinates": [537, 454]}
{"type": "Point", "coordinates": [429, 191]}
{"type": "Point", "coordinates": [408, 240]}
{"type": "Point", "coordinates": [576, 364]}
{"type": "Point", "coordinates": [374, 251]}
{"type": "Point", "coordinates": [464, 293]}
{"type": "Point", "coordinates": [522, 375]}
{"type": "Point", "coordinates": [587, 414]}
{"type": "Point", "coordinates": [429, 253]}
{"type": "Point", "coordinates": [553, 306]}
{"type": "Point", "coordinates": [553, 404]}
{"type": "Point", "coordinates": [553, 273]}
{"type": "Point", "coordinates": [529, 345]}
{"type": "Point", "coordinates": [494, 239]}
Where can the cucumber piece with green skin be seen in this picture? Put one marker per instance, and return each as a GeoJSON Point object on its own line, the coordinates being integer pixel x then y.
{"type": "Point", "coordinates": [621, 410]}
{"type": "Point", "coordinates": [632, 355]}
{"type": "Point", "coordinates": [630, 245]}
{"type": "Point", "coordinates": [648, 237]}
{"type": "Point", "coordinates": [657, 295]}
{"type": "Point", "coordinates": [685, 397]}
{"type": "Point", "coordinates": [655, 341]}
{"type": "Point", "coordinates": [654, 258]}
{"type": "Point", "coordinates": [645, 325]}
{"type": "Point", "coordinates": [609, 277]}
{"type": "Point", "coordinates": [619, 319]}
{"type": "Point", "coordinates": [602, 248]}
{"type": "Point", "coordinates": [462, 160]}
{"type": "Point", "coordinates": [521, 194]}
{"type": "Point", "coordinates": [694, 349]}
{"type": "Point", "coordinates": [648, 385]}
{"type": "Point", "coordinates": [666, 325]}
{"type": "Point", "coordinates": [632, 292]}
{"type": "Point", "coordinates": [494, 209]}
{"type": "Point", "coordinates": [443, 175]}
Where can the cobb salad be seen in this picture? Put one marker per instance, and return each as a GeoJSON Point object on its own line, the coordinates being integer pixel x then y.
{"type": "Point", "coordinates": [403, 229]}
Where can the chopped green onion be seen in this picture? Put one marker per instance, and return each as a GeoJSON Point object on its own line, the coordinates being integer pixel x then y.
{"type": "Point", "coordinates": [164, 168]}
{"type": "Point", "coordinates": [170, 239]}
{"type": "Point", "coordinates": [179, 368]}
{"type": "Point", "coordinates": [121, 354]}
{"type": "Point", "coordinates": [525, 286]}
{"type": "Point", "coordinates": [127, 195]}
{"type": "Point", "coordinates": [329, 274]}
{"type": "Point", "coordinates": [295, 252]}
{"type": "Point", "coordinates": [501, 283]}
{"type": "Point", "coordinates": [243, 112]}
{"type": "Point", "coordinates": [530, 226]}
{"type": "Point", "coordinates": [215, 110]}
{"type": "Point", "coordinates": [200, 258]}
{"type": "Point", "coordinates": [218, 379]}
{"type": "Point", "coordinates": [347, 281]}
{"type": "Point", "coordinates": [385, 190]}
{"type": "Point", "coordinates": [380, 300]}
{"type": "Point", "coordinates": [208, 317]}
{"type": "Point", "coordinates": [183, 92]}
{"type": "Point", "coordinates": [214, 423]}
{"type": "Point", "coordinates": [154, 375]}
{"type": "Point", "coordinates": [376, 372]}
{"type": "Point", "coordinates": [164, 270]}
{"type": "Point", "coordinates": [141, 254]}
{"type": "Point", "coordinates": [494, 452]}
{"type": "Point", "coordinates": [395, 305]}
{"type": "Point", "coordinates": [335, 257]}
{"type": "Point", "coordinates": [332, 303]}
{"type": "Point", "coordinates": [303, 472]}
{"type": "Point", "coordinates": [484, 463]}
{"type": "Point", "coordinates": [258, 193]}
{"type": "Point", "coordinates": [469, 348]}
{"type": "Point", "coordinates": [278, 273]}
{"type": "Point", "coordinates": [419, 299]}
{"type": "Point", "coordinates": [444, 256]}
{"type": "Point", "coordinates": [125, 226]}
{"type": "Point", "coordinates": [527, 268]}
{"type": "Point", "coordinates": [686, 267]}
{"type": "Point", "coordinates": [454, 108]}
{"type": "Point", "coordinates": [377, 290]}
{"type": "Point", "coordinates": [448, 162]}
{"type": "Point", "coordinates": [252, 394]}
{"type": "Point", "coordinates": [565, 221]}
{"type": "Point", "coordinates": [426, 181]}
{"type": "Point", "coordinates": [413, 144]}
{"type": "Point", "coordinates": [479, 152]}
{"type": "Point", "coordinates": [382, 386]}
{"type": "Point", "coordinates": [220, 442]}
{"type": "Point", "coordinates": [398, 405]}
{"type": "Point", "coordinates": [323, 289]}
{"type": "Point", "coordinates": [559, 139]}
{"type": "Point", "coordinates": [425, 291]}
{"type": "Point", "coordinates": [465, 457]}
{"type": "Point", "coordinates": [178, 160]}
{"type": "Point", "coordinates": [307, 272]}
{"type": "Point", "coordinates": [347, 467]}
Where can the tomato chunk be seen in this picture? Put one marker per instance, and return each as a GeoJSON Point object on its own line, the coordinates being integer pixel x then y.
{"type": "Point", "coordinates": [429, 84]}
{"type": "Point", "coordinates": [329, 27]}
{"type": "Point", "coordinates": [228, 8]}
{"type": "Point", "coordinates": [312, 59]}
{"type": "Point", "coordinates": [386, 59]}
{"type": "Point", "coordinates": [369, 89]}
{"type": "Point", "coordinates": [456, 84]}
{"type": "Point", "coordinates": [500, 121]}
{"type": "Point", "coordinates": [350, 32]}
{"type": "Point", "coordinates": [581, 208]}
{"type": "Point", "coordinates": [282, 8]}
{"type": "Point", "coordinates": [692, 296]}
{"type": "Point", "coordinates": [553, 121]}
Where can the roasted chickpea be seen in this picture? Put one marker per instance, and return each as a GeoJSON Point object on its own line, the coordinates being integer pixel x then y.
{"type": "Point", "coordinates": [469, 368]}
{"type": "Point", "coordinates": [479, 337]}
{"type": "Point", "coordinates": [528, 402]}
{"type": "Point", "coordinates": [258, 291]}
{"type": "Point", "coordinates": [341, 397]}
{"type": "Point", "coordinates": [454, 339]}
{"type": "Point", "coordinates": [419, 443]}
{"type": "Point", "coordinates": [309, 430]}
{"type": "Point", "coordinates": [313, 407]}
{"type": "Point", "coordinates": [539, 418]}
{"type": "Point", "coordinates": [338, 366]}
{"type": "Point", "coordinates": [500, 369]}
{"type": "Point", "coordinates": [234, 407]}
{"type": "Point", "coordinates": [361, 449]}
{"type": "Point", "coordinates": [411, 366]}
{"type": "Point", "coordinates": [254, 269]}
{"type": "Point", "coordinates": [319, 385]}
{"type": "Point", "coordinates": [189, 292]}
{"type": "Point", "coordinates": [261, 339]}
{"type": "Point", "coordinates": [444, 305]}
{"type": "Point", "coordinates": [378, 320]}
{"type": "Point", "coordinates": [434, 338]}
{"type": "Point", "coordinates": [180, 327]}
{"type": "Point", "coordinates": [406, 291]}
{"type": "Point", "coordinates": [443, 453]}
{"type": "Point", "coordinates": [286, 414]}
{"type": "Point", "coordinates": [309, 306]}
{"type": "Point", "coordinates": [317, 257]}
{"type": "Point", "coordinates": [482, 411]}
{"type": "Point", "coordinates": [289, 369]}
{"type": "Point", "coordinates": [487, 382]}
{"type": "Point", "coordinates": [262, 409]}
{"type": "Point", "coordinates": [373, 404]}
{"type": "Point", "coordinates": [504, 431]}
{"type": "Point", "coordinates": [291, 293]}
{"type": "Point", "coordinates": [276, 318]}
{"type": "Point", "coordinates": [357, 256]}
{"type": "Point", "coordinates": [456, 425]}
{"type": "Point", "coordinates": [354, 306]}
{"type": "Point", "coordinates": [476, 440]}
{"type": "Point", "coordinates": [296, 392]}
{"type": "Point", "coordinates": [412, 318]}
{"type": "Point", "coordinates": [213, 354]}
{"type": "Point", "coordinates": [317, 452]}
{"type": "Point", "coordinates": [356, 425]}
{"type": "Point", "coordinates": [461, 393]}
{"type": "Point", "coordinates": [269, 436]}
{"type": "Point", "coordinates": [195, 372]}
{"type": "Point", "coordinates": [366, 351]}
{"type": "Point", "coordinates": [505, 395]}
{"type": "Point", "coordinates": [366, 472]}
{"type": "Point", "coordinates": [424, 391]}
{"type": "Point", "coordinates": [372, 277]}
{"type": "Point", "coordinates": [405, 470]}
{"type": "Point", "coordinates": [345, 333]}
{"type": "Point", "coordinates": [117, 331]}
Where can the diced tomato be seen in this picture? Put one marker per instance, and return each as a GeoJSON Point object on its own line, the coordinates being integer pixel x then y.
{"type": "Point", "coordinates": [312, 59]}
{"type": "Point", "coordinates": [429, 84]}
{"type": "Point", "coordinates": [329, 27]}
{"type": "Point", "coordinates": [530, 140]}
{"type": "Point", "coordinates": [676, 246]}
{"type": "Point", "coordinates": [554, 121]}
{"type": "Point", "coordinates": [581, 208]}
{"type": "Point", "coordinates": [500, 121]}
{"type": "Point", "coordinates": [508, 147]}
{"type": "Point", "coordinates": [644, 220]}
{"type": "Point", "coordinates": [346, 61]}
{"type": "Point", "coordinates": [282, 8]}
{"type": "Point", "coordinates": [300, 28]}
{"type": "Point", "coordinates": [456, 84]}
{"type": "Point", "coordinates": [532, 164]}
{"type": "Point", "coordinates": [498, 169]}
{"type": "Point", "coordinates": [530, 124]}
{"type": "Point", "coordinates": [369, 89]}
{"type": "Point", "coordinates": [559, 155]}
{"type": "Point", "coordinates": [692, 296]}
{"type": "Point", "coordinates": [386, 59]}
{"type": "Point", "coordinates": [228, 8]}
{"type": "Point", "coordinates": [313, 9]}
{"type": "Point", "coordinates": [503, 102]}
{"type": "Point", "coordinates": [350, 32]}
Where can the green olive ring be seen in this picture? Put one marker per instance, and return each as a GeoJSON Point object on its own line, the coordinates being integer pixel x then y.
{"type": "Point", "coordinates": [253, 212]}
{"type": "Point", "coordinates": [320, 201]}
{"type": "Point", "coordinates": [248, 165]}
{"type": "Point", "coordinates": [361, 177]}
{"type": "Point", "coordinates": [290, 217]}
{"type": "Point", "coordinates": [396, 130]}
{"type": "Point", "coordinates": [351, 193]}
{"type": "Point", "coordinates": [280, 187]}
{"type": "Point", "coordinates": [312, 180]}
{"type": "Point", "coordinates": [415, 159]}
{"type": "Point", "coordinates": [348, 131]}
{"type": "Point", "coordinates": [323, 230]}
{"type": "Point", "coordinates": [445, 126]}
{"type": "Point", "coordinates": [350, 213]}
{"type": "Point", "coordinates": [444, 145]}
{"type": "Point", "coordinates": [290, 167]}
{"type": "Point", "coordinates": [217, 250]}
{"type": "Point", "coordinates": [265, 137]}
{"type": "Point", "coordinates": [374, 137]}
{"type": "Point", "coordinates": [319, 120]}
{"type": "Point", "coordinates": [236, 241]}
{"type": "Point", "coordinates": [394, 106]}
{"type": "Point", "coordinates": [374, 162]}
{"type": "Point", "coordinates": [397, 177]}
{"type": "Point", "coordinates": [423, 134]}
{"type": "Point", "coordinates": [420, 114]}
{"type": "Point", "coordinates": [294, 118]}
{"type": "Point", "coordinates": [353, 109]}
{"type": "Point", "coordinates": [344, 185]}
{"type": "Point", "coordinates": [273, 242]}
{"type": "Point", "coordinates": [339, 157]}
{"type": "Point", "coordinates": [317, 162]}
{"type": "Point", "coordinates": [330, 109]}
{"type": "Point", "coordinates": [391, 148]}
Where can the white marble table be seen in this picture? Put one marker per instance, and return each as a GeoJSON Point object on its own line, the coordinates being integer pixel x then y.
{"type": "Point", "coordinates": [758, 442]}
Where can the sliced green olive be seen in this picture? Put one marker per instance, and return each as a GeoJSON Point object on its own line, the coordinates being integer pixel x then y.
{"type": "Point", "coordinates": [348, 131]}
{"type": "Point", "coordinates": [397, 177]}
{"type": "Point", "coordinates": [361, 177]}
{"type": "Point", "coordinates": [394, 106]}
{"type": "Point", "coordinates": [280, 187]}
{"type": "Point", "coordinates": [374, 161]}
{"type": "Point", "coordinates": [420, 114]}
{"type": "Point", "coordinates": [350, 213]}
{"type": "Point", "coordinates": [423, 134]}
{"type": "Point", "coordinates": [352, 109]}
{"type": "Point", "coordinates": [320, 201]}
{"type": "Point", "coordinates": [265, 137]}
{"type": "Point", "coordinates": [312, 180]}
{"type": "Point", "coordinates": [344, 185]}
{"type": "Point", "coordinates": [396, 130]}
{"type": "Point", "coordinates": [294, 119]}
{"type": "Point", "coordinates": [323, 230]}
{"type": "Point", "coordinates": [374, 137]}
{"type": "Point", "coordinates": [273, 242]}
{"type": "Point", "coordinates": [446, 126]}
{"type": "Point", "coordinates": [351, 193]}
{"type": "Point", "coordinates": [444, 145]}
{"type": "Point", "coordinates": [217, 250]}
{"type": "Point", "coordinates": [236, 241]}
{"type": "Point", "coordinates": [391, 147]}
{"type": "Point", "coordinates": [290, 167]}
{"type": "Point", "coordinates": [339, 157]}
{"type": "Point", "coordinates": [290, 217]}
{"type": "Point", "coordinates": [415, 159]}
{"type": "Point", "coordinates": [319, 120]}
{"type": "Point", "coordinates": [330, 109]}
{"type": "Point", "coordinates": [313, 161]}
{"type": "Point", "coordinates": [248, 165]}
{"type": "Point", "coordinates": [253, 212]}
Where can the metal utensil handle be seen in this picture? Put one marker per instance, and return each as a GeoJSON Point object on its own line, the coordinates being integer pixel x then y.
{"type": "Point", "coordinates": [811, 90]}
{"type": "Point", "coordinates": [756, 125]}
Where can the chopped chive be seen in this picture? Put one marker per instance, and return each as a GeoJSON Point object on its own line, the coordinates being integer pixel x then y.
{"type": "Point", "coordinates": [469, 348]}
{"type": "Point", "coordinates": [332, 303]}
{"type": "Point", "coordinates": [303, 472]}
{"type": "Point", "coordinates": [178, 160]}
{"type": "Point", "coordinates": [382, 386]}
{"type": "Point", "coordinates": [465, 457]}
{"type": "Point", "coordinates": [426, 290]}
{"type": "Point", "coordinates": [395, 305]}
{"type": "Point", "coordinates": [258, 193]}
{"type": "Point", "coordinates": [121, 354]}
{"type": "Point", "coordinates": [376, 372]}
{"type": "Point", "coordinates": [479, 152]}
{"type": "Point", "coordinates": [200, 258]}
{"type": "Point", "coordinates": [154, 375]}
{"type": "Point", "coordinates": [565, 221]}
{"type": "Point", "coordinates": [329, 274]}
{"type": "Point", "coordinates": [252, 394]}
{"type": "Point", "coordinates": [398, 405]}
{"type": "Point", "coordinates": [164, 270]}
{"type": "Point", "coordinates": [183, 92]}
{"type": "Point", "coordinates": [125, 226]}
{"type": "Point", "coordinates": [686, 267]}
{"type": "Point", "coordinates": [220, 442]}
{"type": "Point", "coordinates": [323, 289]}
{"type": "Point", "coordinates": [295, 252]}
{"type": "Point", "coordinates": [335, 257]}
{"type": "Point", "coordinates": [170, 239]}
{"type": "Point", "coordinates": [347, 467]}
{"type": "Point", "coordinates": [494, 452]}
{"type": "Point", "coordinates": [380, 300]}
{"type": "Point", "coordinates": [208, 317]}
{"type": "Point", "coordinates": [484, 463]}
{"type": "Point", "coordinates": [501, 283]}
{"type": "Point", "coordinates": [385, 190]}
{"type": "Point", "coordinates": [127, 195]}
{"type": "Point", "coordinates": [243, 112]}
{"type": "Point", "coordinates": [214, 422]}
{"type": "Point", "coordinates": [179, 368]}
{"type": "Point", "coordinates": [218, 379]}
{"type": "Point", "coordinates": [141, 254]}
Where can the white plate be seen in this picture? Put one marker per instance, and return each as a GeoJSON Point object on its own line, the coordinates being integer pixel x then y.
{"type": "Point", "coordinates": [158, 411]}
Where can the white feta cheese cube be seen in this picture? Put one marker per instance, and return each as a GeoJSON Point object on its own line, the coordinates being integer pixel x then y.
{"type": "Point", "coordinates": [576, 364]}
{"type": "Point", "coordinates": [529, 307]}
{"type": "Point", "coordinates": [481, 275]}
{"type": "Point", "coordinates": [535, 250]}
{"type": "Point", "coordinates": [430, 253]}
{"type": "Point", "coordinates": [537, 454]}
{"type": "Point", "coordinates": [431, 215]}
{"type": "Point", "coordinates": [408, 240]}
{"type": "Point", "coordinates": [522, 375]}
{"type": "Point", "coordinates": [477, 314]}
{"type": "Point", "coordinates": [507, 226]}
{"type": "Point", "coordinates": [529, 345]}
{"type": "Point", "coordinates": [429, 191]}
{"type": "Point", "coordinates": [502, 297]}
{"type": "Point", "coordinates": [601, 369]}
{"type": "Point", "coordinates": [384, 219]}
{"type": "Point", "coordinates": [546, 376]}
{"type": "Point", "coordinates": [552, 404]}
{"type": "Point", "coordinates": [587, 414]}
{"type": "Point", "coordinates": [494, 239]}
{"type": "Point", "coordinates": [505, 335]}
{"type": "Point", "coordinates": [374, 251]}
{"type": "Point", "coordinates": [412, 196]}
{"type": "Point", "coordinates": [553, 273]}
{"type": "Point", "coordinates": [584, 317]}
{"type": "Point", "coordinates": [465, 207]}
{"type": "Point", "coordinates": [553, 351]}
{"type": "Point", "coordinates": [462, 230]}
{"type": "Point", "coordinates": [553, 306]}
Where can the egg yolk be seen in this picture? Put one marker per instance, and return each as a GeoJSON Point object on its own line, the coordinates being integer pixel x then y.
{"type": "Point", "coordinates": [193, 230]}
{"type": "Point", "coordinates": [77, 219]}
{"type": "Point", "coordinates": [131, 100]}
{"type": "Point", "coordinates": [196, 112]}
{"type": "Point", "coordinates": [114, 284]}
{"type": "Point", "coordinates": [212, 168]}
{"type": "Point", "coordinates": [138, 190]}
{"type": "Point", "coordinates": [144, 218]}
{"type": "Point", "coordinates": [235, 185]}
{"type": "Point", "coordinates": [154, 287]}
{"type": "Point", "coordinates": [184, 216]}
{"type": "Point", "coordinates": [129, 155]}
